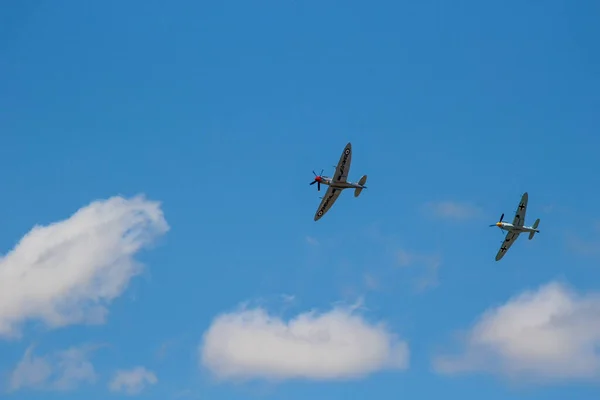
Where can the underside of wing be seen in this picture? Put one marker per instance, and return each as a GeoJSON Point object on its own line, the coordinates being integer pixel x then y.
{"type": "Point", "coordinates": [510, 238]}
{"type": "Point", "coordinates": [343, 167]}
{"type": "Point", "coordinates": [330, 197]}
{"type": "Point", "coordinates": [521, 210]}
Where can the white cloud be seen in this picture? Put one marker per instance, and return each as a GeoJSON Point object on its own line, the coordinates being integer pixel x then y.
{"type": "Point", "coordinates": [452, 210]}
{"type": "Point", "coordinates": [334, 345]}
{"type": "Point", "coordinates": [63, 370]}
{"type": "Point", "coordinates": [549, 334]}
{"type": "Point", "coordinates": [66, 272]}
{"type": "Point", "coordinates": [132, 381]}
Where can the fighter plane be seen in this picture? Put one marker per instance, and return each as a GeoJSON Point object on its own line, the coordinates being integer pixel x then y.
{"type": "Point", "coordinates": [337, 183]}
{"type": "Point", "coordinates": [516, 228]}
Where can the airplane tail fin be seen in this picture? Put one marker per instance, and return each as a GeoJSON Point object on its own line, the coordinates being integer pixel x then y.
{"type": "Point", "coordinates": [361, 182]}
{"type": "Point", "coordinates": [534, 226]}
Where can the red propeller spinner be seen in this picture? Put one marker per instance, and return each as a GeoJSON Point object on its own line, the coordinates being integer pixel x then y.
{"type": "Point", "coordinates": [317, 180]}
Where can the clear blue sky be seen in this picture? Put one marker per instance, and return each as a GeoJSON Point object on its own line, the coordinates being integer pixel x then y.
{"type": "Point", "coordinates": [221, 111]}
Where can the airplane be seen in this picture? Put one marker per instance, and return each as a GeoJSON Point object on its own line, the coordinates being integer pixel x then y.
{"type": "Point", "coordinates": [337, 183]}
{"type": "Point", "coordinates": [516, 228]}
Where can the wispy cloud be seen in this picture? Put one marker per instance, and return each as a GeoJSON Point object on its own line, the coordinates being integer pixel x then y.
{"type": "Point", "coordinates": [92, 253]}
{"type": "Point", "coordinates": [338, 344]}
{"type": "Point", "coordinates": [167, 347]}
{"type": "Point", "coordinates": [540, 336]}
{"type": "Point", "coordinates": [429, 263]}
{"type": "Point", "coordinates": [452, 210]}
{"type": "Point", "coordinates": [288, 298]}
{"type": "Point", "coordinates": [132, 381]}
{"type": "Point", "coordinates": [312, 241]}
{"type": "Point", "coordinates": [62, 370]}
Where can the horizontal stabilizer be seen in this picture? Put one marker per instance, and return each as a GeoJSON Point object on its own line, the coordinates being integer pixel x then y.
{"type": "Point", "coordinates": [361, 182]}
{"type": "Point", "coordinates": [535, 225]}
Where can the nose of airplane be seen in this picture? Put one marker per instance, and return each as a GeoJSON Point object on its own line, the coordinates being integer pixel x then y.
{"type": "Point", "coordinates": [498, 223]}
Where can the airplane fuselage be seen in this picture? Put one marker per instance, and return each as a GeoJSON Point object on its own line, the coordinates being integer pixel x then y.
{"type": "Point", "coordinates": [341, 185]}
{"type": "Point", "coordinates": [513, 228]}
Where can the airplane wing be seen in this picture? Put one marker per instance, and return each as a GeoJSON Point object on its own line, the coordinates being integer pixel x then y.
{"type": "Point", "coordinates": [521, 210]}
{"type": "Point", "coordinates": [511, 237]}
{"type": "Point", "coordinates": [343, 166]}
{"type": "Point", "coordinates": [330, 197]}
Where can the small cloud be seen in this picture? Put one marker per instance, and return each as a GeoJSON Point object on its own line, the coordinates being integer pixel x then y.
{"type": "Point", "coordinates": [62, 370]}
{"type": "Point", "coordinates": [288, 298]}
{"type": "Point", "coordinates": [546, 335]}
{"type": "Point", "coordinates": [338, 344]}
{"type": "Point", "coordinates": [93, 254]}
{"type": "Point", "coordinates": [312, 241]}
{"type": "Point", "coordinates": [132, 381]}
{"type": "Point", "coordinates": [429, 263]}
{"type": "Point", "coordinates": [452, 210]}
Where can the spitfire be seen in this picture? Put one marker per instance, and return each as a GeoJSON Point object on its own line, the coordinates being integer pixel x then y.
{"type": "Point", "coordinates": [338, 183]}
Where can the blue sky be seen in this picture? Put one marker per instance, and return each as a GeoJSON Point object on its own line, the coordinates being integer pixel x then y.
{"type": "Point", "coordinates": [165, 153]}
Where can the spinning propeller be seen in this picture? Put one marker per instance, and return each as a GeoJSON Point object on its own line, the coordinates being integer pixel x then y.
{"type": "Point", "coordinates": [317, 180]}
{"type": "Point", "coordinates": [497, 223]}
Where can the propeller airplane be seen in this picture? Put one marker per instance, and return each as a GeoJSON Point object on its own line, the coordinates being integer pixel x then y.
{"type": "Point", "coordinates": [337, 183]}
{"type": "Point", "coordinates": [516, 228]}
